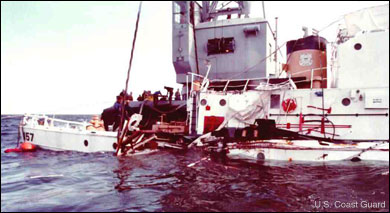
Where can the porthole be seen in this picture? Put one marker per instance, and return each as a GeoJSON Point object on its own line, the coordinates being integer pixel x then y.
{"type": "Point", "coordinates": [203, 102]}
{"type": "Point", "coordinates": [357, 46]}
{"type": "Point", "coordinates": [85, 143]}
{"type": "Point", "coordinates": [346, 101]}
{"type": "Point", "coordinates": [222, 102]}
{"type": "Point", "coordinates": [260, 156]}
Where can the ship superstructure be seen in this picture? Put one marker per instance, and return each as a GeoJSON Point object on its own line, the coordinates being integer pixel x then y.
{"type": "Point", "coordinates": [234, 47]}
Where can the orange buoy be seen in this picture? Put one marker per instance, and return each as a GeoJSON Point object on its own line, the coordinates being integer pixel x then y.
{"type": "Point", "coordinates": [27, 147]}
{"type": "Point", "coordinates": [13, 150]}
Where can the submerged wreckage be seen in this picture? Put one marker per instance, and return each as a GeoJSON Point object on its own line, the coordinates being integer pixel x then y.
{"type": "Point", "coordinates": [328, 101]}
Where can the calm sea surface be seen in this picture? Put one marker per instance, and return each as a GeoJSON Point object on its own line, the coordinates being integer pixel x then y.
{"type": "Point", "coordinates": [161, 181]}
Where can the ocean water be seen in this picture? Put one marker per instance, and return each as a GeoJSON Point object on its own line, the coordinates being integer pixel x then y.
{"type": "Point", "coordinates": [47, 181]}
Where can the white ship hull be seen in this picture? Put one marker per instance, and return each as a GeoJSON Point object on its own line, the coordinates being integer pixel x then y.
{"type": "Point", "coordinates": [56, 134]}
{"type": "Point", "coordinates": [310, 151]}
{"type": "Point", "coordinates": [83, 141]}
{"type": "Point", "coordinates": [61, 135]}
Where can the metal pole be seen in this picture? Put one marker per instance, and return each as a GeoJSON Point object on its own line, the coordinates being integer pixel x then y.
{"type": "Point", "coordinates": [263, 9]}
{"type": "Point", "coordinates": [311, 79]}
{"type": "Point", "coordinates": [192, 8]}
{"type": "Point", "coordinates": [119, 138]}
{"type": "Point", "coordinates": [187, 87]}
{"type": "Point", "coordinates": [276, 46]}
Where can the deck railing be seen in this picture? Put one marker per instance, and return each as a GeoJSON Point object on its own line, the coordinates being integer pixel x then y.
{"type": "Point", "coordinates": [31, 119]}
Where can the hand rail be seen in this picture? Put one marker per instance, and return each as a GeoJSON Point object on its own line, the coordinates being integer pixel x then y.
{"type": "Point", "coordinates": [308, 70]}
{"type": "Point", "coordinates": [311, 79]}
{"type": "Point", "coordinates": [36, 117]}
{"type": "Point", "coordinates": [227, 83]}
{"type": "Point", "coordinates": [246, 85]}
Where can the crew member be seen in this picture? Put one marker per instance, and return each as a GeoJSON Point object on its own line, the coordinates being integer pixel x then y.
{"type": "Point", "coordinates": [130, 97]}
{"type": "Point", "coordinates": [177, 95]}
{"type": "Point", "coordinates": [112, 115]}
{"type": "Point", "coordinates": [155, 97]}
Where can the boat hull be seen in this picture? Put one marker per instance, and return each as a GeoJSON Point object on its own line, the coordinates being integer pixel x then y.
{"type": "Point", "coordinates": [310, 151]}
{"type": "Point", "coordinates": [73, 140]}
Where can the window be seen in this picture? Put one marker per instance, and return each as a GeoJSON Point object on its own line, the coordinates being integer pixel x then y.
{"type": "Point", "coordinates": [227, 45]}
{"type": "Point", "coordinates": [346, 101]}
{"type": "Point", "coordinates": [213, 46]}
{"type": "Point", "coordinates": [357, 46]}
{"type": "Point", "coordinates": [275, 101]}
{"type": "Point", "coordinates": [222, 102]}
{"type": "Point", "coordinates": [179, 12]}
{"type": "Point", "coordinates": [220, 46]}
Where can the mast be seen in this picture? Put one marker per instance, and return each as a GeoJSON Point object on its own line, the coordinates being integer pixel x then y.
{"type": "Point", "coordinates": [262, 2]}
{"type": "Point", "coordinates": [120, 135]}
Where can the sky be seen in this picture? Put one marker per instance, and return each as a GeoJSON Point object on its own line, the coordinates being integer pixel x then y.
{"type": "Point", "coordinates": [73, 57]}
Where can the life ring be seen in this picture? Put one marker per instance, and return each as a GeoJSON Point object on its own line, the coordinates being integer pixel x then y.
{"type": "Point", "coordinates": [134, 121]}
{"type": "Point", "coordinates": [289, 105]}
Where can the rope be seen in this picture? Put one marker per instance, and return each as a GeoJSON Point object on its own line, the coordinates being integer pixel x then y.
{"type": "Point", "coordinates": [367, 149]}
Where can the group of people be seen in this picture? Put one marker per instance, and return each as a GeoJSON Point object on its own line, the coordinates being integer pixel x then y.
{"type": "Point", "coordinates": [112, 115]}
{"type": "Point", "coordinates": [147, 95]}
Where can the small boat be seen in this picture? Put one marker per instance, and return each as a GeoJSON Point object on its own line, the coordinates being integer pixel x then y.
{"type": "Point", "coordinates": [57, 134]}
{"type": "Point", "coordinates": [304, 150]}
{"type": "Point", "coordinates": [61, 135]}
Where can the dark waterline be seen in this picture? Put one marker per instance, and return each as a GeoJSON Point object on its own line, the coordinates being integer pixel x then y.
{"type": "Point", "coordinates": [72, 181]}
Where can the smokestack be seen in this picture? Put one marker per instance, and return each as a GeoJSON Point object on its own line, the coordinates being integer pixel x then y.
{"type": "Point", "coordinates": [247, 8]}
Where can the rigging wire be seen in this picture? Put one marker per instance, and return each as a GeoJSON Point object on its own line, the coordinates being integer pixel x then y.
{"type": "Point", "coordinates": [262, 60]}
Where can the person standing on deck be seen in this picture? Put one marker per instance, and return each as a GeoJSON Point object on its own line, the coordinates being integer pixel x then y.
{"type": "Point", "coordinates": [177, 95]}
{"type": "Point", "coordinates": [118, 103]}
{"type": "Point", "coordinates": [112, 115]}
{"type": "Point", "coordinates": [130, 97]}
{"type": "Point", "coordinates": [156, 95]}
